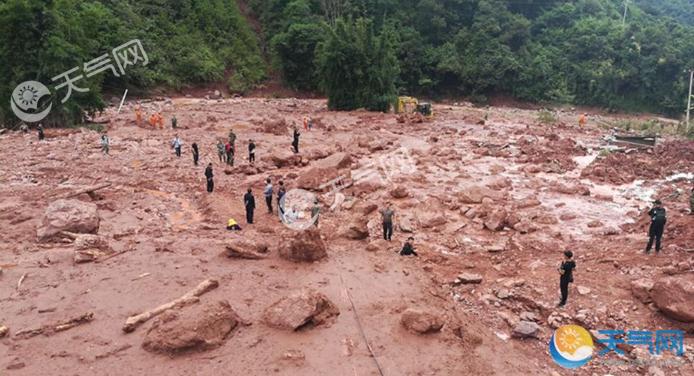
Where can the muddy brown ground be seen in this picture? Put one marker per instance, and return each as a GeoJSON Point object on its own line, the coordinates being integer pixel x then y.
{"type": "Point", "coordinates": [157, 210]}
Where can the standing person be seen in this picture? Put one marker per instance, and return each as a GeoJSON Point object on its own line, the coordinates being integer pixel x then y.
{"type": "Point", "coordinates": [295, 141]}
{"type": "Point", "coordinates": [232, 138]}
{"type": "Point", "coordinates": [691, 201]}
{"type": "Point", "coordinates": [566, 276]}
{"type": "Point", "coordinates": [177, 143]}
{"type": "Point", "coordinates": [104, 143]}
{"type": "Point", "coordinates": [582, 120]}
{"type": "Point", "coordinates": [221, 153]}
{"type": "Point", "coordinates": [305, 123]}
{"type": "Point", "coordinates": [229, 153]}
{"type": "Point", "coordinates": [281, 191]}
{"type": "Point", "coordinates": [174, 122]}
{"type": "Point", "coordinates": [315, 212]}
{"type": "Point", "coordinates": [655, 231]}
{"type": "Point", "coordinates": [41, 135]}
{"type": "Point", "coordinates": [408, 248]}
{"type": "Point", "coordinates": [251, 151]}
{"type": "Point", "coordinates": [138, 116]}
{"type": "Point", "coordinates": [387, 218]}
{"type": "Point", "coordinates": [249, 204]}
{"type": "Point", "coordinates": [209, 175]}
{"type": "Point", "coordinates": [196, 153]}
{"type": "Point", "coordinates": [268, 195]}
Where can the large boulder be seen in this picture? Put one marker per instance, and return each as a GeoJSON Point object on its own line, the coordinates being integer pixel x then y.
{"type": "Point", "coordinates": [324, 171]}
{"type": "Point", "coordinates": [306, 246]}
{"type": "Point", "coordinates": [399, 191]}
{"type": "Point", "coordinates": [285, 158]}
{"type": "Point", "coordinates": [674, 297]}
{"type": "Point", "coordinates": [68, 215]}
{"type": "Point", "coordinates": [475, 194]}
{"type": "Point", "coordinates": [496, 221]}
{"type": "Point", "coordinates": [246, 249]}
{"type": "Point", "coordinates": [197, 327]}
{"type": "Point", "coordinates": [641, 289]}
{"type": "Point", "coordinates": [525, 329]}
{"type": "Point", "coordinates": [356, 230]}
{"type": "Point", "coordinates": [302, 309]}
{"type": "Point", "coordinates": [421, 322]}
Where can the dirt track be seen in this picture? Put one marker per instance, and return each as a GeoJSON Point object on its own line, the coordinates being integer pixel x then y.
{"type": "Point", "coordinates": [158, 211]}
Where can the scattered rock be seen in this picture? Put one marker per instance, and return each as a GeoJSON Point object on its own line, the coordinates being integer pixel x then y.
{"type": "Point", "coordinates": [525, 329]}
{"type": "Point", "coordinates": [306, 246]}
{"type": "Point", "coordinates": [583, 290]}
{"type": "Point", "coordinates": [421, 322]}
{"type": "Point", "coordinates": [595, 223]}
{"type": "Point", "coordinates": [3, 330]}
{"type": "Point", "coordinates": [285, 158]}
{"type": "Point", "coordinates": [429, 220]}
{"type": "Point", "coordinates": [405, 224]}
{"type": "Point", "coordinates": [674, 296]}
{"type": "Point", "coordinates": [641, 289]}
{"type": "Point", "coordinates": [246, 249]}
{"type": "Point", "coordinates": [468, 278]}
{"type": "Point", "coordinates": [496, 220]}
{"type": "Point", "coordinates": [399, 192]}
{"type": "Point", "coordinates": [68, 215]}
{"type": "Point", "coordinates": [194, 328]}
{"type": "Point", "coordinates": [475, 194]}
{"type": "Point", "coordinates": [324, 171]}
{"type": "Point", "coordinates": [356, 230]}
{"type": "Point", "coordinates": [303, 309]}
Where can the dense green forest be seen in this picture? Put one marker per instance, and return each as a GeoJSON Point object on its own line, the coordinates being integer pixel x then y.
{"type": "Point", "coordinates": [362, 53]}
{"type": "Point", "coordinates": [536, 50]}
{"type": "Point", "coordinates": [188, 42]}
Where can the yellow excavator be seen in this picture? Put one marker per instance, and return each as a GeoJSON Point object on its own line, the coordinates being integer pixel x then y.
{"type": "Point", "coordinates": [410, 105]}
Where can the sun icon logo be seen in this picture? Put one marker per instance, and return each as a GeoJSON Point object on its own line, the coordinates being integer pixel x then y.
{"type": "Point", "coordinates": [571, 346]}
{"type": "Point", "coordinates": [28, 95]}
{"type": "Point", "coordinates": [25, 100]}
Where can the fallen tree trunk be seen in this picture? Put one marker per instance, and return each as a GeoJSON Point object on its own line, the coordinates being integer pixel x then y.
{"type": "Point", "coordinates": [189, 298]}
{"type": "Point", "coordinates": [89, 190]}
{"type": "Point", "coordinates": [57, 327]}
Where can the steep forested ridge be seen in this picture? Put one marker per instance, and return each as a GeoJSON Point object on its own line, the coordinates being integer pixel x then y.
{"type": "Point", "coordinates": [187, 42]}
{"type": "Point", "coordinates": [536, 50]}
{"type": "Point", "coordinates": [361, 53]}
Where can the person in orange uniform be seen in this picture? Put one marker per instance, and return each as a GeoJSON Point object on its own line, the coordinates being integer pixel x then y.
{"type": "Point", "coordinates": [138, 116]}
{"type": "Point", "coordinates": [153, 120]}
{"type": "Point", "coordinates": [160, 120]}
{"type": "Point", "coordinates": [582, 120]}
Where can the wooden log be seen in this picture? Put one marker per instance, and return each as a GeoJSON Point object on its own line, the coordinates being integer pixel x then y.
{"type": "Point", "coordinates": [57, 327]}
{"type": "Point", "coordinates": [191, 297]}
{"type": "Point", "coordinates": [89, 190]}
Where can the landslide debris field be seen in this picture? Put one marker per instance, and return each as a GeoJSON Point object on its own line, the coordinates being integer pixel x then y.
{"type": "Point", "coordinates": [491, 204]}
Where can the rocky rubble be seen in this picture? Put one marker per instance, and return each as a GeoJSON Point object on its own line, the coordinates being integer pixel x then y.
{"type": "Point", "coordinates": [196, 328]}
{"type": "Point", "coordinates": [301, 310]}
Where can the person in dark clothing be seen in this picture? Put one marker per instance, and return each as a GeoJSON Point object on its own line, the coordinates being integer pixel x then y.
{"type": "Point", "coordinates": [174, 123]}
{"type": "Point", "coordinates": [387, 217]}
{"type": "Point", "coordinates": [41, 135]}
{"type": "Point", "coordinates": [655, 231]}
{"type": "Point", "coordinates": [295, 141]}
{"type": "Point", "coordinates": [281, 191]}
{"type": "Point", "coordinates": [268, 195]}
{"type": "Point", "coordinates": [251, 151]}
{"type": "Point", "coordinates": [408, 249]}
{"type": "Point", "coordinates": [210, 178]}
{"type": "Point", "coordinates": [249, 203]}
{"type": "Point", "coordinates": [196, 153]}
{"type": "Point", "coordinates": [566, 276]}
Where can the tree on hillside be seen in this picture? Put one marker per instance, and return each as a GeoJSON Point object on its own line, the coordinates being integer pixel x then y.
{"type": "Point", "coordinates": [356, 67]}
